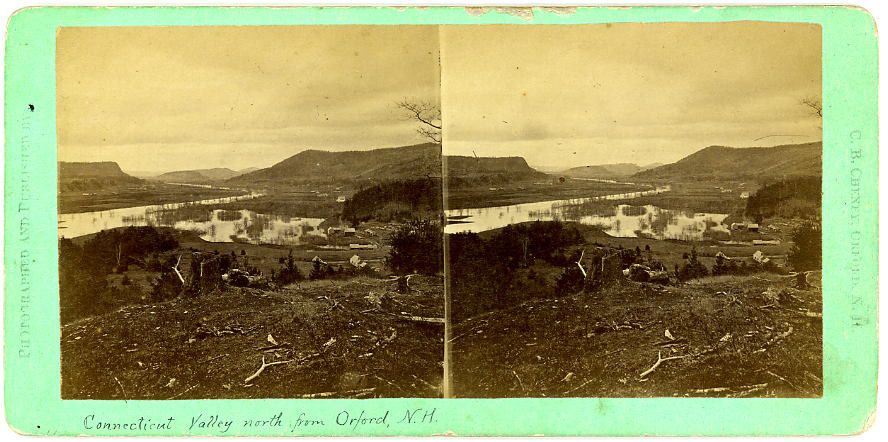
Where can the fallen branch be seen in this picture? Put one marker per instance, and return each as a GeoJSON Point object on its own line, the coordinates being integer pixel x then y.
{"type": "Point", "coordinates": [415, 318]}
{"type": "Point", "coordinates": [425, 382]}
{"type": "Point", "coordinates": [388, 382]}
{"type": "Point", "coordinates": [671, 342]}
{"type": "Point", "coordinates": [710, 390]}
{"type": "Point", "coordinates": [580, 263]}
{"type": "Point", "coordinates": [262, 368]}
{"type": "Point", "coordinates": [359, 392]}
{"type": "Point", "coordinates": [186, 391]}
{"type": "Point", "coordinates": [660, 360]}
{"type": "Point", "coordinates": [176, 269]}
{"type": "Point", "coordinates": [272, 347]}
{"type": "Point", "coordinates": [121, 389]}
{"type": "Point", "coordinates": [740, 390]}
{"type": "Point", "coordinates": [815, 378]}
{"type": "Point", "coordinates": [521, 384]}
{"type": "Point", "coordinates": [785, 380]}
{"type": "Point", "coordinates": [750, 390]}
{"type": "Point", "coordinates": [775, 339]}
{"type": "Point", "coordinates": [578, 387]}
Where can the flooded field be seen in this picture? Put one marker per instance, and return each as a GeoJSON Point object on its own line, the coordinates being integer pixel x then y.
{"type": "Point", "coordinates": [212, 225]}
{"type": "Point", "coordinates": [619, 220]}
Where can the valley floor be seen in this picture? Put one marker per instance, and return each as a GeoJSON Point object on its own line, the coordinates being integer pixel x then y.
{"type": "Point", "coordinates": [732, 336]}
{"type": "Point", "coordinates": [468, 197]}
{"type": "Point", "coordinates": [355, 338]}
{"type": "Point", "coordinates": [137, 195]}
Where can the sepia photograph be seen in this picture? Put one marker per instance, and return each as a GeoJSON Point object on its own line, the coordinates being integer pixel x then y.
{"type": "Point", "coordinates": [634, 210]}
{"type": "Point", "coordinates": [250, 212]}
{"type": "Point", "coordinates": [615, 210]}
{"type": "Point", "coordinates": [331, 221]}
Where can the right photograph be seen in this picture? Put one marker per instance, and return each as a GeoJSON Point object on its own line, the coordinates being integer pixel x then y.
{"type": "Point", "coordinates": [633, 210]}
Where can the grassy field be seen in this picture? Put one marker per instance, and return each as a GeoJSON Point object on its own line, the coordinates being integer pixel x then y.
{"type": "Point", "coordinates": [339, 339]}
{"type": "Point", "coordinates": [288, 202]}
{"type": "Point", "coordinates": [733, 336]}
{"type": "Point", "coordinates": [701, 197]}
{"type": "Point", "coordinates": [525, 192]}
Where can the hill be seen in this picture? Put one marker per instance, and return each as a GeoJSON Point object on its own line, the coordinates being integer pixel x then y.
{"type": "Point", "coordinates": [507, 167]}
{"type": "Point", "coordinates": [605, 171]}
{"type": "Point", "coordinates": [84, 176]}
{"type": "Point", "coordinates": [762, 163]}
{"type": "Point", "coordinates": [318, 165]}
{"type": "Point", "coordinates": [197, 176]}
{"type": "Point", "coordinates": [386, 164]}
{"type": "Point", "coordinates": [102, 169]}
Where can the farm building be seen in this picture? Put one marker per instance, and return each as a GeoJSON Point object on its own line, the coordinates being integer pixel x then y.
{"type": "Point", "coordinates": [333, 231]}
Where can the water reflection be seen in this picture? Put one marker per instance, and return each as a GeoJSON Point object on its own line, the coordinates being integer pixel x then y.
{"type": "Point", "coordinates": [254, 227]}
{"type": "Point", "coordinates": [620, 220]}
{"type": "Point", "coordinates": [212, 225]}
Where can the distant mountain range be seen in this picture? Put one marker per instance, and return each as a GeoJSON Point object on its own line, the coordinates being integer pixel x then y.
{"type": "Point", "coordinates": [417, 161]}
{"type": "Point", "coordinates": [720, 162]}
{"type": "Point", "coordinates": [425, 160]}
{"type": "Point", "coordinates": [607, 171]}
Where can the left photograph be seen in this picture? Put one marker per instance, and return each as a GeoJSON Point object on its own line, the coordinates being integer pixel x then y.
{"type": "Point", "coordinates": [250, 212]}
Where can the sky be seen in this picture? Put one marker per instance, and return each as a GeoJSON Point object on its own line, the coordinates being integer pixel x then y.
{"type": "Point", "coordinates": [156, 99]}
{"type": "Point", "coordinates": [566, 96]}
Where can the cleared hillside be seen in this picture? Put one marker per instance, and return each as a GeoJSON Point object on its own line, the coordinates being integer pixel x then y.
{"type": "Point", "coordinates": [720, 162]}
{"type": "Point", "coordinates": [604, 171]}
{"type": "Point", "coordinates": [387, 164]}
{"type": "Point", "coordinates": [90, 177]}
{"type": "Point", "coordinates": [197, 176]}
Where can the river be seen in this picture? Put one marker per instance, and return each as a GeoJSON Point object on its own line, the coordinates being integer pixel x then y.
{"type": "Point", "coordinates": [619, 220]}
{"type": "Point", "coordinates": [212, 225]}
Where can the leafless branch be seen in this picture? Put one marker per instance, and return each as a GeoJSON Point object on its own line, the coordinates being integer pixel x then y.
{"type": "Point", "coordinates": [660, 360]}
{"type": "Point", "coordinates": [176, 269]}
{"type": "Point", "coordinates": [814, 104]}
{"type": "Point", "coordinates": [580, 263]}
{"type": "Point", "coordinates": [428, 114]}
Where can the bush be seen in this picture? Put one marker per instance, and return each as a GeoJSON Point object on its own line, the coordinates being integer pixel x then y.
{"type": "Point", "coordinates": [806, 252]}
{"type": "Point", "coordinates": [693, 268]}
{"type": "Point", "coordinates": [288, 273]}
{"type": "Point", "coordinates": [417, 247]}
{"type": "Point", "coordinates": [167, 285]}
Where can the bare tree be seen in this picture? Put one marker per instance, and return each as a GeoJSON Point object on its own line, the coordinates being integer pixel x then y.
{"type": "Point", "coordinates": [428, 114]}
{"type": "Point", "coordinates": [814, 104]}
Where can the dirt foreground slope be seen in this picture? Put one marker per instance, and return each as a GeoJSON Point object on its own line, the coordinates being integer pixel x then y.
{"type": "Point", "coordinates": [731, 336]}
{"type": "Point", "coordinates": [355, 338]}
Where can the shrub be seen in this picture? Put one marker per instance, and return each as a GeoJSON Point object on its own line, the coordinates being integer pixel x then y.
{"type": "Point", "coordinates": [693, 268]}
{"type": "Point", "coordinates": [417, 247]}
{"type": "Point", "coordinates": [289, 272]}
{"type": "Point", "coordinates": [806, 251]}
